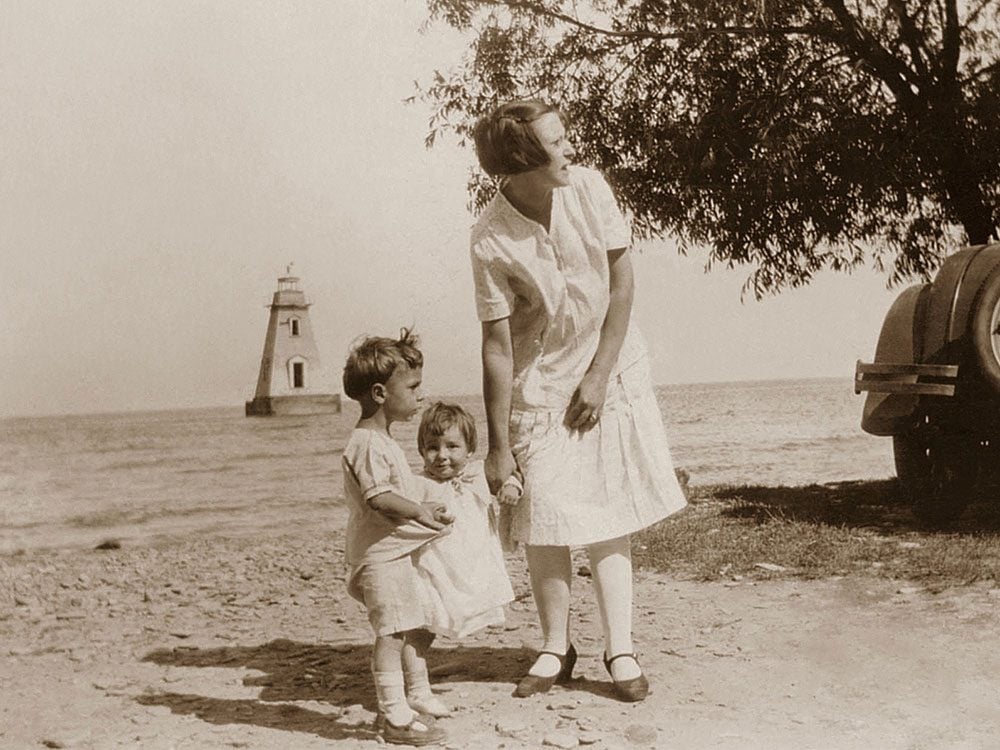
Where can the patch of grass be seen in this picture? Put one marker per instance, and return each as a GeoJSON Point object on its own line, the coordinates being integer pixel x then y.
{"type": "Point", "coordinates": [818, 531]}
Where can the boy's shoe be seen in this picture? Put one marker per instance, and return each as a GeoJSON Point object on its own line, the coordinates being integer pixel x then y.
{"type": "Point", "coordinates": [419, 732]}
{"type": "Point", "coordinates": [429, 705]}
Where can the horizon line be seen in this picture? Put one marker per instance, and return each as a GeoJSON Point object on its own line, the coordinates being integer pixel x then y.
{"type": "Point", "coordinates": [162, 409]}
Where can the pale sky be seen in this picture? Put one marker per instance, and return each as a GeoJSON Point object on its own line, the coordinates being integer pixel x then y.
{"type": "Point", "coordinates": [162, 162]}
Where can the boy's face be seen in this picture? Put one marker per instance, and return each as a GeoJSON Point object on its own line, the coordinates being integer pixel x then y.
{"type": "Point", "coordinates": [402, 395]}
{"type": "Point", "coordinates": [445, 455]}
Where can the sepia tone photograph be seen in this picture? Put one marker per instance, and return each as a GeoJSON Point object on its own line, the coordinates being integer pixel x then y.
{"type": "Point", "coordinates": [500, 374]}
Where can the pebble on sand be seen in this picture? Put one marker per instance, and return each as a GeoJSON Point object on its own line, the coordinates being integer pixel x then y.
{"type": "Point", "coordinates": [561, 739]}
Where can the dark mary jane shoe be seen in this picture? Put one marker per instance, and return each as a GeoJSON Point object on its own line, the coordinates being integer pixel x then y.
{"type": "Point", "coordinates": [630, 691]}
{"type": "Point", "coordinates": [531, 684]}
{"type": "Point", "coordinates": [419, 732]}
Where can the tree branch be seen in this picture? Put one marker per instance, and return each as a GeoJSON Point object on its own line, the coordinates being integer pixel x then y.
{"type": "Point", "coordinates": [538, 9]}
{"type": "Point", "coordinates": [976, 75]}
{"type": "Point", "coordinates": [973, 15]}
{"type": "Point", "coordinates": [951, 41]}
{"type": "Point", "coordinates": [910, 36]}
{"type": "Point", "coordinates": [897, 76]}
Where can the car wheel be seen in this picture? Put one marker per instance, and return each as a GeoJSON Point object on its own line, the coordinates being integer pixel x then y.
{"type": "Point", "coordinates": [938, 479]}
{"type": "Point", "coordinates": [985, 329]}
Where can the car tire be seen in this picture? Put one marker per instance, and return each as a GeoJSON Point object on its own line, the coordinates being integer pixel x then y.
{"type": "Point", "coordinates": [937, 479]}
{"type": "Point", "coordinates": [985, 329]}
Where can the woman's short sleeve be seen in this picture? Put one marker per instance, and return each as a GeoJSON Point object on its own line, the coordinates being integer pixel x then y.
{"type": "Point", "coordinates": [617, 231]}
{"type": "Point", "coordinates": [494, 297]}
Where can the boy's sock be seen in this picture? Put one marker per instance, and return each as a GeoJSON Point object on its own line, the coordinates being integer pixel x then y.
{"type": "Point", "coordinates": [419, 695]}
{"type": "Point", "coordinates": [391, 695]}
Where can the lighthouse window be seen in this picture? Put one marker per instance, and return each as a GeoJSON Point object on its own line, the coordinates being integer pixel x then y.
{"type": "Point", "coordinates": [294, 325]}
{"type": "Point", "coordinates": [298, 374]}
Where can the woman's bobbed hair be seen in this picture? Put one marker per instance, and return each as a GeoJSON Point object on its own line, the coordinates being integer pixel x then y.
{"type": "Point", "coordinates": [505, 142]}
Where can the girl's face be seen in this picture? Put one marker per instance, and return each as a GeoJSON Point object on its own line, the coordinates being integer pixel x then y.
{"type": "Point", "coordinates": [445, 455]}
{"type": "Point", "coordinates": [402, 395]}
{"type": "Point", "coordinates": [552, 136]}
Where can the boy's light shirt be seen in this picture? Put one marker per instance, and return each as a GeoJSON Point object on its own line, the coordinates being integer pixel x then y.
{"type": "Point", "coordinates": [374, 463]}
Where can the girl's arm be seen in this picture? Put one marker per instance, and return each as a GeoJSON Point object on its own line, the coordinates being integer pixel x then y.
{"type": "Point", "coordinates": [590, 394]}
{"type": "Point", "coordinates": [498, 378]}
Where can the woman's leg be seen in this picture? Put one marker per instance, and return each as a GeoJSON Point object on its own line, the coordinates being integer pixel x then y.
{"type": "Point", "coordinates": [550, 571]}
{"type": "Point", "coordinates": [611, 568]}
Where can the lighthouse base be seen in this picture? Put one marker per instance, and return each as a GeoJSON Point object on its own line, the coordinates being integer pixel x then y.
{"type": "Point", "coordinates": [295, 406]}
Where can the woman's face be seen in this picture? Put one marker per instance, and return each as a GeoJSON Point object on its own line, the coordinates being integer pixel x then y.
{"type": "Point", "coordinates": [552, 136]}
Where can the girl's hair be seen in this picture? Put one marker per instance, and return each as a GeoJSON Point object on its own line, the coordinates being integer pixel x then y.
{"type": "Point", "coordinates": [436, 420]}
{"type": "Point", "coordinates": [506, 144]}
{"type": "Point", "coordinates": [376, 358]}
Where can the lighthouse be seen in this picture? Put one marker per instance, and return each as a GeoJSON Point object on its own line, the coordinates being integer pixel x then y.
{"type": "Point", "coordinates": [291, 379]}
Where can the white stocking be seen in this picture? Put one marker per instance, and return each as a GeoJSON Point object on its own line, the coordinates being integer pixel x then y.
{"type": "Point", "coordinates": [611, 567]}
{"type": "Point", "coordinates": [550, 570]}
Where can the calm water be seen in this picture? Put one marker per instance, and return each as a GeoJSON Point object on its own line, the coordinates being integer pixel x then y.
{"type": "Point", "coordinates": [75, 480]}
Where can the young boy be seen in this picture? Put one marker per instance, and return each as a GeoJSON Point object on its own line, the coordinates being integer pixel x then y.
{"type": "Point", "coordinates": [386, 527]}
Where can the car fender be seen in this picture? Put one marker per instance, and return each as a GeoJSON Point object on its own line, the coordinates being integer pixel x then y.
{"type": "Point", "coordinates": [899, 342]}
{"type": "Point", "coordinates": [950, 302]}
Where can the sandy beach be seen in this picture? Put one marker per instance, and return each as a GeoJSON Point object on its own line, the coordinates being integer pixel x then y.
{"type": "Point", "coordinates": [253, 643]}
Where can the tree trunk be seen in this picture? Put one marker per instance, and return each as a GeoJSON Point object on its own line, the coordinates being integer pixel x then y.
{"type": "Point", "coordinates": [953, 151]}
{"type": "Point", "coordinates": [967, 199]}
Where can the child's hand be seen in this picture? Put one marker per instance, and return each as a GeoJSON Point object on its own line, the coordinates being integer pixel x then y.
{"type": "Point", "coordinates": [441, 513]}
{"type": "Point", "coordinates": [511, 490]}
{"type": "Point", "coordinates": [427, 515]}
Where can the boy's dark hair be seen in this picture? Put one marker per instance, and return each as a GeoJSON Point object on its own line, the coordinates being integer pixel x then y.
{"type": "Point", "coordinates": [376, 358]}
{"type": "Point", "coordinates": [436, 420]}
{"type": "Point", "coordinates": [505, 141]}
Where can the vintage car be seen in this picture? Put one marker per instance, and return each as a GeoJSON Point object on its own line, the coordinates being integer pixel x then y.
{"type": "Point", "coordinates": [934, 386]}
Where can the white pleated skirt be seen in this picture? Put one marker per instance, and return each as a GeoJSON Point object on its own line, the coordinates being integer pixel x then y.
{"type": "Point", "coordinates": [607, 481]}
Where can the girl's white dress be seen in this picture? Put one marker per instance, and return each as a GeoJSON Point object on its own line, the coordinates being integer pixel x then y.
{"type": "Point", "coordinates": [617, 477]}
{"type": "Point", "coordinates": [465, 569]}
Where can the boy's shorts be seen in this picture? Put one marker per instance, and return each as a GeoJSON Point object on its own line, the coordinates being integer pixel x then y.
{"type": "Point", "coordinates": [392, 592]}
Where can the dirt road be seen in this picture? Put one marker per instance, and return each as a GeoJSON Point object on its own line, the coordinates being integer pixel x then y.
{"type": "Point", "coordinates": [254, 644]}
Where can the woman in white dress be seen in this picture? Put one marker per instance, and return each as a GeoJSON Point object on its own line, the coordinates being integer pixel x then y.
{"type": "Point", "coordinates": [566, 383]}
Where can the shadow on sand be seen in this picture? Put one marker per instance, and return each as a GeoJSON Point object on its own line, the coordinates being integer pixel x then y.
{"type": "Point", "coordinates": [338, 675]}
{"type": "Point", "coordinates": [880, 506]}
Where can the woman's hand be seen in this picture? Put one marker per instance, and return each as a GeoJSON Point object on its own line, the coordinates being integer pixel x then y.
{"type": "Point", "coordinates": [588, 400]}
{"type": "Point", "coordinates": [499, 465]}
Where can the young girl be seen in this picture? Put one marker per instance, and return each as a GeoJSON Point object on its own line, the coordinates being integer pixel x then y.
{"type": "Point", "coordinates": [465, 569]}
{"type": "Point", "coordinates": [387, 526]}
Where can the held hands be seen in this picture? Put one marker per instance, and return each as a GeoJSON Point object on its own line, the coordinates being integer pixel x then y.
{"type": "Point", "coordinates": [511, 490]}
{"type": "Point", "coordinates": [499, 465]}
{"type": "Point", "coordinates": [588, 400]}
{"type": "Point", "coordinates": [503, 477]}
